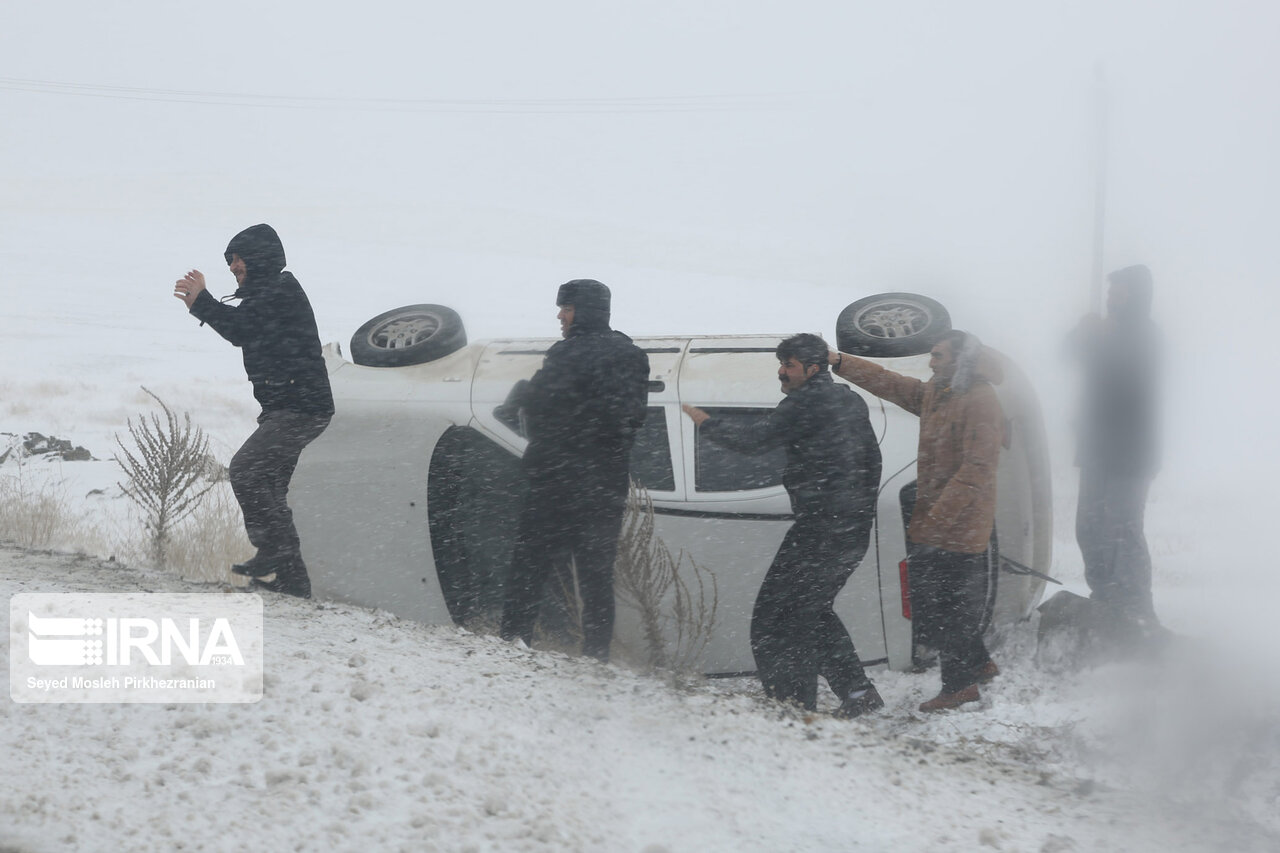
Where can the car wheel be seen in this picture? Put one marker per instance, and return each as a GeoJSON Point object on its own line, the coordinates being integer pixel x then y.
{"type": "Point", "coordinates": [891, 325]}
{"type": "Point", "coordinates": [414, 334]}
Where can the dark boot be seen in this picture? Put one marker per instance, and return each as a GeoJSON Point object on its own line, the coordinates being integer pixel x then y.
{"type": "Point", "coordinates": [262, 564]}
{"type": "Point", "coordinates": [298, 589]}
{"type": "Point", "coordinates": [859, 702]}
{"type": "Point", "coordinates": [291, 579]}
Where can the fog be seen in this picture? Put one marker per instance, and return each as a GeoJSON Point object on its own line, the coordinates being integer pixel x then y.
{"type": "Point", "coordinates": [724, 166]}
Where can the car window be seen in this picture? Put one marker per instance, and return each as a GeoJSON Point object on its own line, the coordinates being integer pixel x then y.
{"type": "Point", "coordinates": [651, 455]}
{"type": "Point", "coordinates": [719, 469]}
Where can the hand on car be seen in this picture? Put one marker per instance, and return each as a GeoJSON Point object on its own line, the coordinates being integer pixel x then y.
{"type": "Point", "coordinates": [189, 286]}
{"type": "Point", "coordinates": [697, 414]}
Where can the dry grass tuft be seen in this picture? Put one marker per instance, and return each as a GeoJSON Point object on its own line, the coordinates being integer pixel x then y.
{"type": "Point", "coordinates": [32, 516]}
{"type": "Point", "coordinates": [205, 545]}
{"type": "Point", "coordinates": [36, 513]}
{"type": "Point", "coordinates": [202, 547]}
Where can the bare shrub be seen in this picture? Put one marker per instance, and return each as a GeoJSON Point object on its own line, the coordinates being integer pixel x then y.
{"type": "Point", "coordinates": [165, 472]}
{"type": "Point", "coordinates": [677, 608]}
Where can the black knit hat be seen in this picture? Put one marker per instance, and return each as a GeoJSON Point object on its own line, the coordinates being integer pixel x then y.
{"type": "Point", "coordinates": [590, 300]}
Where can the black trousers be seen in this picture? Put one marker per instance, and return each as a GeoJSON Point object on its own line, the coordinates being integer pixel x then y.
{"type": "Point", "coordinates": [795, 633]}
{"type": "Point", "coordinates": [559, 524]}
{"type": "Point", "coordinates": [1109, 529]}
{"type": "Point", "coordinates": [948, 593]}
{"type": "Point", "coordinates": [260, 473]}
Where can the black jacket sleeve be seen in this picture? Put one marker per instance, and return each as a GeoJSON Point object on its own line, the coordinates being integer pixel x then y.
{"type": "Point", "coordinates": [239, 324]}
{"type": "Point", "coordinates": [275, 329]}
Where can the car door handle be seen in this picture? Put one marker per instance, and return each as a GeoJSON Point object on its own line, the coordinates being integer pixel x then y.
{"type": "Point", "coordinates": [657, 386]}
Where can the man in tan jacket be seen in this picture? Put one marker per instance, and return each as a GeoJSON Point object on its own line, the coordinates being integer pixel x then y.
{"type": "Point", "coordinates": [961, 430]}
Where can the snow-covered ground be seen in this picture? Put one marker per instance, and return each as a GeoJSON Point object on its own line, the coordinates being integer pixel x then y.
{"type": "Point", "coordinates": [380, 734]}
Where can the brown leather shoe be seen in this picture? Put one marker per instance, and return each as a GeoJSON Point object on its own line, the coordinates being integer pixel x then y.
{"type": "Point", "coordinates": [947, 701]}
{"type": "Point", "coordinates": [989, 671]}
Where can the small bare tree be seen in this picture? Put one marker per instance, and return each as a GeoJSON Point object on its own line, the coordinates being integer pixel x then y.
{"type": "Point", "coordinates": [164, 470]}
{"type": "Point", "coordinates": [647, 574]}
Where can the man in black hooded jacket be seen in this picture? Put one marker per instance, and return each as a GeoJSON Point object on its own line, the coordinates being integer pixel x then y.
{"type": "Point", "coordinates": [833, 478]}
{"type": "Point", "coordinates": [581, 412]}
{"type": "Point", "coordinates": [275, 329]}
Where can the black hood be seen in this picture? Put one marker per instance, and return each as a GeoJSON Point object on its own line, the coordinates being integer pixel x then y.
{"type": "Point", "coordinates": [590, 301]}
{"type": "Point", "coordinates": [261, 250]}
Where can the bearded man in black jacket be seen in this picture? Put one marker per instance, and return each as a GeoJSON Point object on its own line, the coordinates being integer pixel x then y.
{"type": "Point", "coordinates": [581, 412]}
{"type": "Point", "coordinates": [833, 478]}
{"type": "Point", "coordinates": [275, 329]}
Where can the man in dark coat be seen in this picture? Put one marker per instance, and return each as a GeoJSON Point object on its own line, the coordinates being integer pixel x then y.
{"type": "Point", "coordinates": [275, 329]}
{"type": "Point", "coordinates": [582, 411]}
{"type": "Point", "coordinates": [1117, 447]}
{"type": "Point", "coordinates": [832, 477]}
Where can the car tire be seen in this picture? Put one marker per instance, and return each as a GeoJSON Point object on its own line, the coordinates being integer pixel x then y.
{"type": "Point", "coordinates": [414, 334]}
{"type": "Point", "coordinates": [891, 325]}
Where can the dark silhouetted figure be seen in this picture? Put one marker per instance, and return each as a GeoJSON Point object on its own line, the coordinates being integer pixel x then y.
{"type": "Point", "coordinates": [1117, 448]}
{"type": "Point", "coordinates": [581, 411]}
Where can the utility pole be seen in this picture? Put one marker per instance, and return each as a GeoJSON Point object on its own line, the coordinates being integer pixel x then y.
{"type": "Point", "coordinates": [1099, 186]}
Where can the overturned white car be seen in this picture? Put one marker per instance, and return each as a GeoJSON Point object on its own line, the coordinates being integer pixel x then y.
{"type": "Point", "coordinates": [408, 502]}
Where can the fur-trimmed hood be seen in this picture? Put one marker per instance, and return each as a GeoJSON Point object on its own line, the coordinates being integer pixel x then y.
{"type": "Point", "coordinates": [975, 363]}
